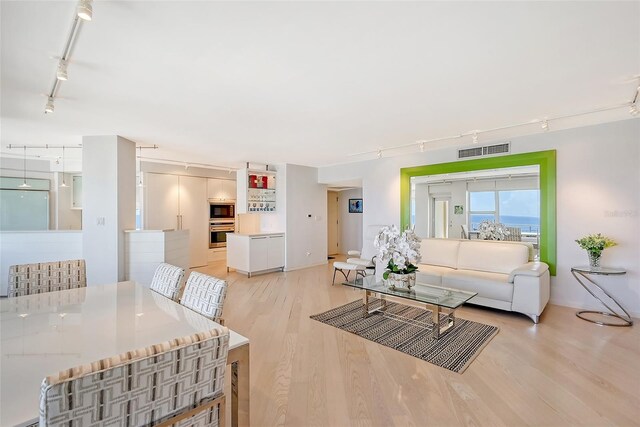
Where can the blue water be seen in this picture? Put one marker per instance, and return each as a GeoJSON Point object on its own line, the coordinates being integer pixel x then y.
{"type": "Point", "coordinates": [526, 223]}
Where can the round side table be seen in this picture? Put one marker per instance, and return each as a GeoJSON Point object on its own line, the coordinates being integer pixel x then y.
{"type": "Point", "coordinates": [584, 273]}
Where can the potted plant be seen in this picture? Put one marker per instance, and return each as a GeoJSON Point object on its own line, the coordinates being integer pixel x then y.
{"type": "Point", "coordinates": [401, 253]}
{"type": "Point", "coordinates": [594, 244]}
{"type": "Point", "coordinates": [490, 230]}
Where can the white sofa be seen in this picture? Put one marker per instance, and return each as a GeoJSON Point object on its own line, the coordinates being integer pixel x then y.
{"type": "Point", "coordinates": [500, 272]}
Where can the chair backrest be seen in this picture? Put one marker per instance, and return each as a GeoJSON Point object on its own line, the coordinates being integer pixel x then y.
{"type": "Point", "coordinates": [29, 279]}
{"type": "Point", "coordinates": [140, 387]}
{"type": "Point", "coordinates": [166, 280]}
{"type": "Point", "coordinates": [515, 234]}
{"type": "Point", "coordinates": [465, 231]}
{"type": "Point", "coordinates": [205, 295]}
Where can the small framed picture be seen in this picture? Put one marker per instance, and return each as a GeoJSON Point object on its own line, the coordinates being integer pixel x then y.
{"type": "Point", "coordinates": [458, 210]}
{"type": "Point", "coordinates": [355, 205]}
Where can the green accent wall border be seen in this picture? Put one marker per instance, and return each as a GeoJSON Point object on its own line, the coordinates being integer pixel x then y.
{"type": "Point", "coordinates": [546, 160]}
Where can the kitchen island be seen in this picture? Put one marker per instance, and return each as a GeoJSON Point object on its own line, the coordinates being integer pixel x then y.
{"type": "Point", "coordinates": [251, 253]}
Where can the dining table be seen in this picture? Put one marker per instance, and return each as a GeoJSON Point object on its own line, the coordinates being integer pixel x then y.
{"type": "Point", "coordinates": [45, 333]}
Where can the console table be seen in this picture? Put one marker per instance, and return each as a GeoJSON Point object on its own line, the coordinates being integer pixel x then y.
{"type": "Point", "coordinates": [584, 273]}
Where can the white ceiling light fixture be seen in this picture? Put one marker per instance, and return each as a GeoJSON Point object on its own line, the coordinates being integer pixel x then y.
{"type": "Point", "coordinates": [24, 169]}
{"type": "Point", "coordinates": [85, 10]}
{"type": "Point", "coordinates": [545, 125]}
{"type": "Point", "coordinates": [48, 108]}
{"type": "Point", "coordinates": [64, 183]}
{"type": "Point", "coordinates": [633, 110]}
{"type": "Point", "coordinates": [61, 73]}
{"type": "Point", "coordinates": [422, 147]}
{"type": "Point", "coordinates": [379, 154]}
{"type": "Point", "coordinates": [475, 137]}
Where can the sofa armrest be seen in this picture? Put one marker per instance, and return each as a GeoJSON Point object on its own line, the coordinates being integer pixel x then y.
{"type": "Point", "coordinates": [532, 269]}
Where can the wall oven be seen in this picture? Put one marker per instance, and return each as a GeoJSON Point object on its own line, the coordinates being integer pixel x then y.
{"type": "Point", "coordinates": [222, 211]}
{"type": "Point", "coordinates": [218, 230]}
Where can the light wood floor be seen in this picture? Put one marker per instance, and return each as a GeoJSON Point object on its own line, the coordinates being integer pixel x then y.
{"type": "Point", "coordinates": [563, 371]}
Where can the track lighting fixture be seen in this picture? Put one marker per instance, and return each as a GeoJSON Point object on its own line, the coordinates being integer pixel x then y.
{"type": "Point", "coordinates": [475, 137]}
{"type": "Point", "coordinates": [545, 125]}
{"type": "Point", "coordinates": [422, 147]}
{"type": "Point", "coordinates": [49, 107]}
{"type": "Point", "coordinates": [85, 10]}
{"type": "Point", "coordinates": [61, 73]}
{"type": "Point", "coordinates": [633, 110]}
{"type": "Point", "coordinates": [379, 154]}
{"type": "Point", "coordinates": [24, 169]}
{"type": "Point", "coordinates": [64, 183]}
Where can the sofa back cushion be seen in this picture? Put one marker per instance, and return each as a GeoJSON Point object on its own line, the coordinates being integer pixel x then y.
{"type": "Point", "coordinates": [491, 256]}
{"type": "Point", "coordinates": [442, 252]}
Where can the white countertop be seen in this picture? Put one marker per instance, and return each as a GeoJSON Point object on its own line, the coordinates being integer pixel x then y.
{"type": "Point", "coordinates": [152, 231]}
{"type": "Point", "coordinates": [45, 333]}
{"type": "Point", "coordinates": [270, 233]}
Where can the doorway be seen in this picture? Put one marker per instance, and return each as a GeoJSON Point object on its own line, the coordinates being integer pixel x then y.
{"type": "Point", "coordinates": [441, 217]}
{"type": "Point", "coordinates": [333, 231]}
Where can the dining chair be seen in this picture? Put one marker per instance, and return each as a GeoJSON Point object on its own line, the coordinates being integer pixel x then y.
{"type": "Point", "coordinates": [205, 295]}
{"type": "Point", "coordinates": [465, 232]}
{"type": "Point", "coordinates": [515, 234]}
{"type": "Point", "coordinates": [166, 280]}
{"type": "Point", "coordinates": [179, 382]}
{"type": "Point", "coordinates": [29, 279]}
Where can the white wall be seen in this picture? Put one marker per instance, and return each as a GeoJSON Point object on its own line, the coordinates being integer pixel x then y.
{"type": "Point", "coordinates": [306, 217]}
{"type": "Point", "coordinates": [26, 247]}
{"type": "Point", "coordinates": [598, 190]}
{"type": "Point", "coordinates": [350, 224]}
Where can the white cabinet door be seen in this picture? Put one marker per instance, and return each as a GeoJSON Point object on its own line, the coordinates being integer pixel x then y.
{"type": "Point", "coordinates": [194, 213]}
{"type": "Point", "coordinates": [258, 253]}
{"type": "Point", "coordinates": [214, 188]}
{"type": "Point", "coordinates": [276, 251]}
{"type": "Point", "coordinates": [161, 211]}
{"type": "Point", "coordinates": [229, 189]}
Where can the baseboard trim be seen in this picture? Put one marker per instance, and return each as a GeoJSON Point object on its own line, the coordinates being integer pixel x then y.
{"type": "Point", "coordinates": [305, 266]}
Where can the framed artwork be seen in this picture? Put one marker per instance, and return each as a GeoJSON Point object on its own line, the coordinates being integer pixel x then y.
{"type": "Point", "coordinates": [458, 210]}
{"type": "Point", "coordinates": [355, 205]}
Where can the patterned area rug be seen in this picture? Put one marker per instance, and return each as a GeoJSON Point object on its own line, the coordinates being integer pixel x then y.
{"type": "Point", "coordinates": [454, 351]}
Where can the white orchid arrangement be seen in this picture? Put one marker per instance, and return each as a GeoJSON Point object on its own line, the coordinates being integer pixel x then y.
{"type": "Point", "coordinates": [401, 252]}
{"type": "Point", "coordinates": [490, 230]}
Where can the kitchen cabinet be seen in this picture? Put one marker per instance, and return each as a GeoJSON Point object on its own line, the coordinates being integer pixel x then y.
{"type": "Point", "coordinates": [221, 189]}
{"type": "Point", "coordinates": [179, 203]}
{"type": "Point", "coordinates": [255, 253]}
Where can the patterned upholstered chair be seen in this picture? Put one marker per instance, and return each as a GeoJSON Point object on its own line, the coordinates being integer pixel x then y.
{"type": "Point", "coordinates": [180, 382]}
{"type": "Point", "coordinates": [205, 295]}
{"type": "Point", "coordinates": [29, 279]}
{"type": "Point", "coordinates": [166, 280]}
{"type": "Point", "coordinates": [515, 234]}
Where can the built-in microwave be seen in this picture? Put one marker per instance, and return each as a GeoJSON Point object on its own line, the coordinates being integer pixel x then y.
{"type": "Point", "coordinates": [222, 210]}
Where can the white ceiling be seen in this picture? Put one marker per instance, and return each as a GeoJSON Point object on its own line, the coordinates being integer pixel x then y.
{"type": "Point", "coordinates": [309, 82]}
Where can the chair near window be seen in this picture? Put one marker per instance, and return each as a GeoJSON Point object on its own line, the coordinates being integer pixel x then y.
{"type": "Point", "coordinates": [29, 279]}
{"type": "Point", "coordinates": [186, 375]}
{"type": "Point", "coordinates": [205, 295]}
{"type": "Point", "coordinates": [465, 232]}
{"type": "Point", "coordinates": [166, 281]}
{"type": "Point", "coordinates": [515, 234]}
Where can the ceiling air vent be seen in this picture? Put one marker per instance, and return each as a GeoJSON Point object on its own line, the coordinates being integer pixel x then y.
{"type": "Point", "coordinates": [488, 150]}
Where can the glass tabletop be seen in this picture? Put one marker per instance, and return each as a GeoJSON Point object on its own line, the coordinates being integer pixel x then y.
{"type": "Point", "coordinates": [422, 292]}
{"type": "Point", "coordinates": [599, 270]}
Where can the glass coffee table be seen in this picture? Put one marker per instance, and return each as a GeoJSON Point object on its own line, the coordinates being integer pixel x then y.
{"type": "Point", "coordinates": [438, 299]}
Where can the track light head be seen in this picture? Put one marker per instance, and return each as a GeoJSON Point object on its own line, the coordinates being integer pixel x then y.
{"type": "Point", "coordinates": [85, 10]}
{"type": "Point", "coordinates": [422, 147]}
{"type": "Point", "coordinates": [49, 107]}
{"type": "Point", "coordinates": [475, 137]}
{"type": "Point", "coordinates": [379, 154]}
{"type": "Point", "coordinates": [633, 110]}
{"type": "Point", "coordinates": [61, 73]}
{"type": "Point", "coordinates": [545, 125]}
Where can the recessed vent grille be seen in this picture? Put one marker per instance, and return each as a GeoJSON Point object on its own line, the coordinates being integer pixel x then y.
{"type": "Point", "coordinates": [487, 150]}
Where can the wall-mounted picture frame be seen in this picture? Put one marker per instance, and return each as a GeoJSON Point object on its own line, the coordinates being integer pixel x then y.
{"type": "Point", "coordinates": [355, 205]}
{"type": "Point", "coordinates": [458, 210]}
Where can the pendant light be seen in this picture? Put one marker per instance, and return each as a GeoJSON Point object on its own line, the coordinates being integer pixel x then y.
{"type": "Point", "coordinates": [85, 10]}
{"type": "Point", "coordinates": [140, 166]}
{"type": "Point", "coordinates": [64, 184]}
{"type": "Point", "coordinates": [24, 170]}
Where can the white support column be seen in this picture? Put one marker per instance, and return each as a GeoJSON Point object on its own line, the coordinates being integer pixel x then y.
{"type": "Point", "coordinates": [108, 205]}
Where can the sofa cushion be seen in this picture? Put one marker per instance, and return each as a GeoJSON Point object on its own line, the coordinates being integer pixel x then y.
{"type": "Point", "coordinates": [493, 257]}
{"type": "Point", "coordinates": [488, 285]}
{"type": "Point", "coordinates": [431, 274]}
{"type": "Point", "coordinates": [442, 252]}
